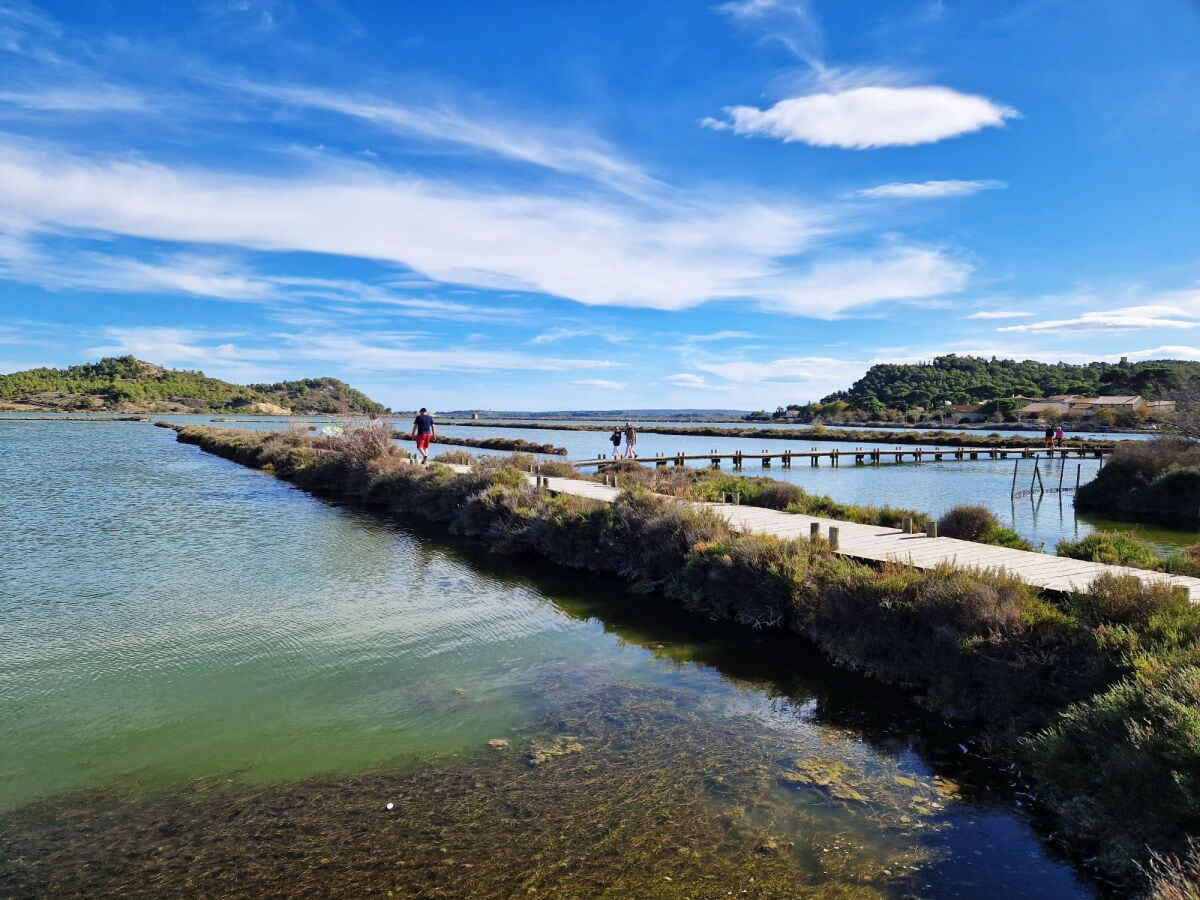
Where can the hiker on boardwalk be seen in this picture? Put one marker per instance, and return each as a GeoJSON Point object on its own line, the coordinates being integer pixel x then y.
{"type": "Point", "coordinates": [1058, 436]}
{"type": "Point", "coordinates": [630, 442]}
{"type": "Point", "coordinates": [615, 437]}
{"type": "Point", "coordinates": [1049, 436]}
{"type": "Point", "coordinates": [424, 432]}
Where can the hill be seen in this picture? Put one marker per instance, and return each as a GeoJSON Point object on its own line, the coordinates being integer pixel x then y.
{"type": "Point", "coordinates": [967, 379]}
{"type": "Point", "coordinates": [127, 384]}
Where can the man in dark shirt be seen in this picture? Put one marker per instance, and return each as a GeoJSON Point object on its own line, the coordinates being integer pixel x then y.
{"type": "Point", "coordinates": [424, 432]}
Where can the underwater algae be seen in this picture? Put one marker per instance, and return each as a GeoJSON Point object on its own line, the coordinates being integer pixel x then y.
{"type": "Point", "coordinates": [624, 792]}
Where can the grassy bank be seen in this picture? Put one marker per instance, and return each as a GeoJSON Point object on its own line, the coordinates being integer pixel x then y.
{"type": "Point", "coordinates": [1096, 696]}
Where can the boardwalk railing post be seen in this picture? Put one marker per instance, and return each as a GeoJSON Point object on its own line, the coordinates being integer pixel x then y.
{"type": "Point", "coordinates": [906, 525]}
{"type": "Point", "coordinates": [814, 530]}
{"type": "Point", "coordinates": [931, 529]}
{"type": "Point", "coordinates": [833, 538]}
{"type": "Point", "coordinates": [737, 498]}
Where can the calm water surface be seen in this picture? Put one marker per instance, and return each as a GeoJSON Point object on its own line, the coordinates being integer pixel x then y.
{"type": "Point", "coordinates": [167, 616]}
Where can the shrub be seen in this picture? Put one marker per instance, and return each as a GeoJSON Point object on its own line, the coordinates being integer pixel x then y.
{"type": "Point", "coordinates": [455, 457]}
{"type": "Point", "coordinates": [966, 523]}
{"type": "Point", "coordinates": [1117, 548]}
{"type": "Point", "coordinates": [1123, 769]}
{"type": "Point", "coordinates": [1126, 600]}
{"type": "Point", "coordinates": [1184, 562]}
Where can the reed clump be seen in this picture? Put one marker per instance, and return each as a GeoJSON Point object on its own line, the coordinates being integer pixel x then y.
{"type": "Point", "coordinates": [1096, 694]}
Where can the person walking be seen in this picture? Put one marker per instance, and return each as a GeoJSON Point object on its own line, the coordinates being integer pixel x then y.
{"type": "Point", "coordinates": [1049, 436]}
{"type": "Point", "coordinates": [424, 431]}
{"type": "Point", "coordinates": [1058, 436]}
{"type": "Point", "coordinates": [615, 437]}
{"type": "Point", "coordinates": [630, 442]}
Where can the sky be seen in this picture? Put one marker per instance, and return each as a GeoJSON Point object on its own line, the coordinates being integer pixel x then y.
{"type": "Point", "coordinates": [596, 205]}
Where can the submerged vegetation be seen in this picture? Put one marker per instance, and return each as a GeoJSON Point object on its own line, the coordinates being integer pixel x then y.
{"type": "Point", "coordinates": [1096, 695]}
{"type": "Point", "coordinates": [627, 792]}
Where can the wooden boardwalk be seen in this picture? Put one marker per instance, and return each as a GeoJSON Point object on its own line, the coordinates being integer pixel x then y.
{"type": "Point", "coordinates": [874, 543]}
{"type": "Point", "coordinates": [859, 456]}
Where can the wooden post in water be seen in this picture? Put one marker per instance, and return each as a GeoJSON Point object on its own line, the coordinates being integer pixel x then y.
{"type": "Point", "coordinates": [1016, 465]}
{"type": "Point", "coordinates": [1078, 467]}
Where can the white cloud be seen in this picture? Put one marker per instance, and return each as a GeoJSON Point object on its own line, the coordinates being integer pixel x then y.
{"type": "Point", "coordinates": [927, 190]}
{"type": "Point", "coordinates": [554, 335]}
{"type": "Point", "coordinates": [78, 98]}
{"type": "Point", "coordinates": [602, 384]}
{"type": "Point", "coordinates": [671, 256]}
{"type": "Point", "coordinates": [1171, 351]}
{"type": "Point", "coordinates": [182, 273]}
{"type": "Point", "coordinates": [788, 22]}
{"type": "Point", "coordinates": [832, 287]}
{"type": "Point", "coordinates": [686, 380]}
{"type": "Point", "coordinates": [862, 118]}
{"type": "Point", "coordinates": [559, 149]}
{"type": "Point", "coordinates": [718, 336]}
{"type": "Point", "coordinates": [1129, 319]}
{"type": "Point", "coordinates": [1000, 314]}
{"type": "Point", "coordinates": [345, 352]}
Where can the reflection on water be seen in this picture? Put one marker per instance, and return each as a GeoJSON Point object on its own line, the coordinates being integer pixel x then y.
{"type": "Point", "coordinates": [170, 616]}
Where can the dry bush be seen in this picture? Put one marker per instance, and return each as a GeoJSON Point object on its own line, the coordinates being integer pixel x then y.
{"type": "Point", "coordinates": [1173, 877]}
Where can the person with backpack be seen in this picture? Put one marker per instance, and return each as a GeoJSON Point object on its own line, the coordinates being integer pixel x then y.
{"type": "Point", "coordinates": [615, 437]}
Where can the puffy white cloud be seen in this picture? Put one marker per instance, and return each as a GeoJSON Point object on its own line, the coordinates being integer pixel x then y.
{"type": "Point", "coordinates": [861, 118]}
{"type": "Point", "coordinates": [928, 190]}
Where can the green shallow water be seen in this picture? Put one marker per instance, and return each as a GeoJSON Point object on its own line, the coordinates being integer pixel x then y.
{"type": "Point", "coordinates": [170, 618]}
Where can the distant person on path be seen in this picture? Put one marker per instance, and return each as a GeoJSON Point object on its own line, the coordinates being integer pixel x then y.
{"type": "Point", "coordinates": [630, 442]}
{"type": "Point", "coordinates": [1058, 436]}
{"type": "Point", "coordinates": [616, 442]}
{"type": "Point", "coordinates": [424, 432]}
{"type": "Point", "coordinates": [1049, 435]}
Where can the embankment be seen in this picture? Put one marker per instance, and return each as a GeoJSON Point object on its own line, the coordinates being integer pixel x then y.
{"type": "Point", "coordinates": [1096, 696]}
{"type": "Point", "coordinates": [863, 436]}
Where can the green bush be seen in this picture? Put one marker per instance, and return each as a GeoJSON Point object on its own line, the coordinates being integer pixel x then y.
{"type": "Point", "coordinates": [1117, 548]}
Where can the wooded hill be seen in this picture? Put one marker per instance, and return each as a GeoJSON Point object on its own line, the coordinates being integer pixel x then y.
{"type": "Point", "coordinates": [127, 384]}
{"type": "Point", "coordinates": [968, 379]}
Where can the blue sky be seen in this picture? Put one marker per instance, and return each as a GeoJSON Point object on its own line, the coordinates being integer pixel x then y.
{"type": "Point", "coordinates": [627, 203]}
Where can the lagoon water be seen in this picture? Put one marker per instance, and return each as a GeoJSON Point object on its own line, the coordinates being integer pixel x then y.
{"type": "Point", "coordinates": [168, 616]}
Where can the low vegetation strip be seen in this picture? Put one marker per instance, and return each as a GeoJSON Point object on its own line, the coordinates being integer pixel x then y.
{"type": "Point", "coordinates": [818, 433]}
{"type": "Point", "coordinates": [512, 445]}
{"type": "Point", "coordinates": [1096, 694]}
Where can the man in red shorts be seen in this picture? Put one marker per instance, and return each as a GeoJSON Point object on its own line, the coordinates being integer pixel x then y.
{"type": "Point", "coordinates": [424, 432]}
